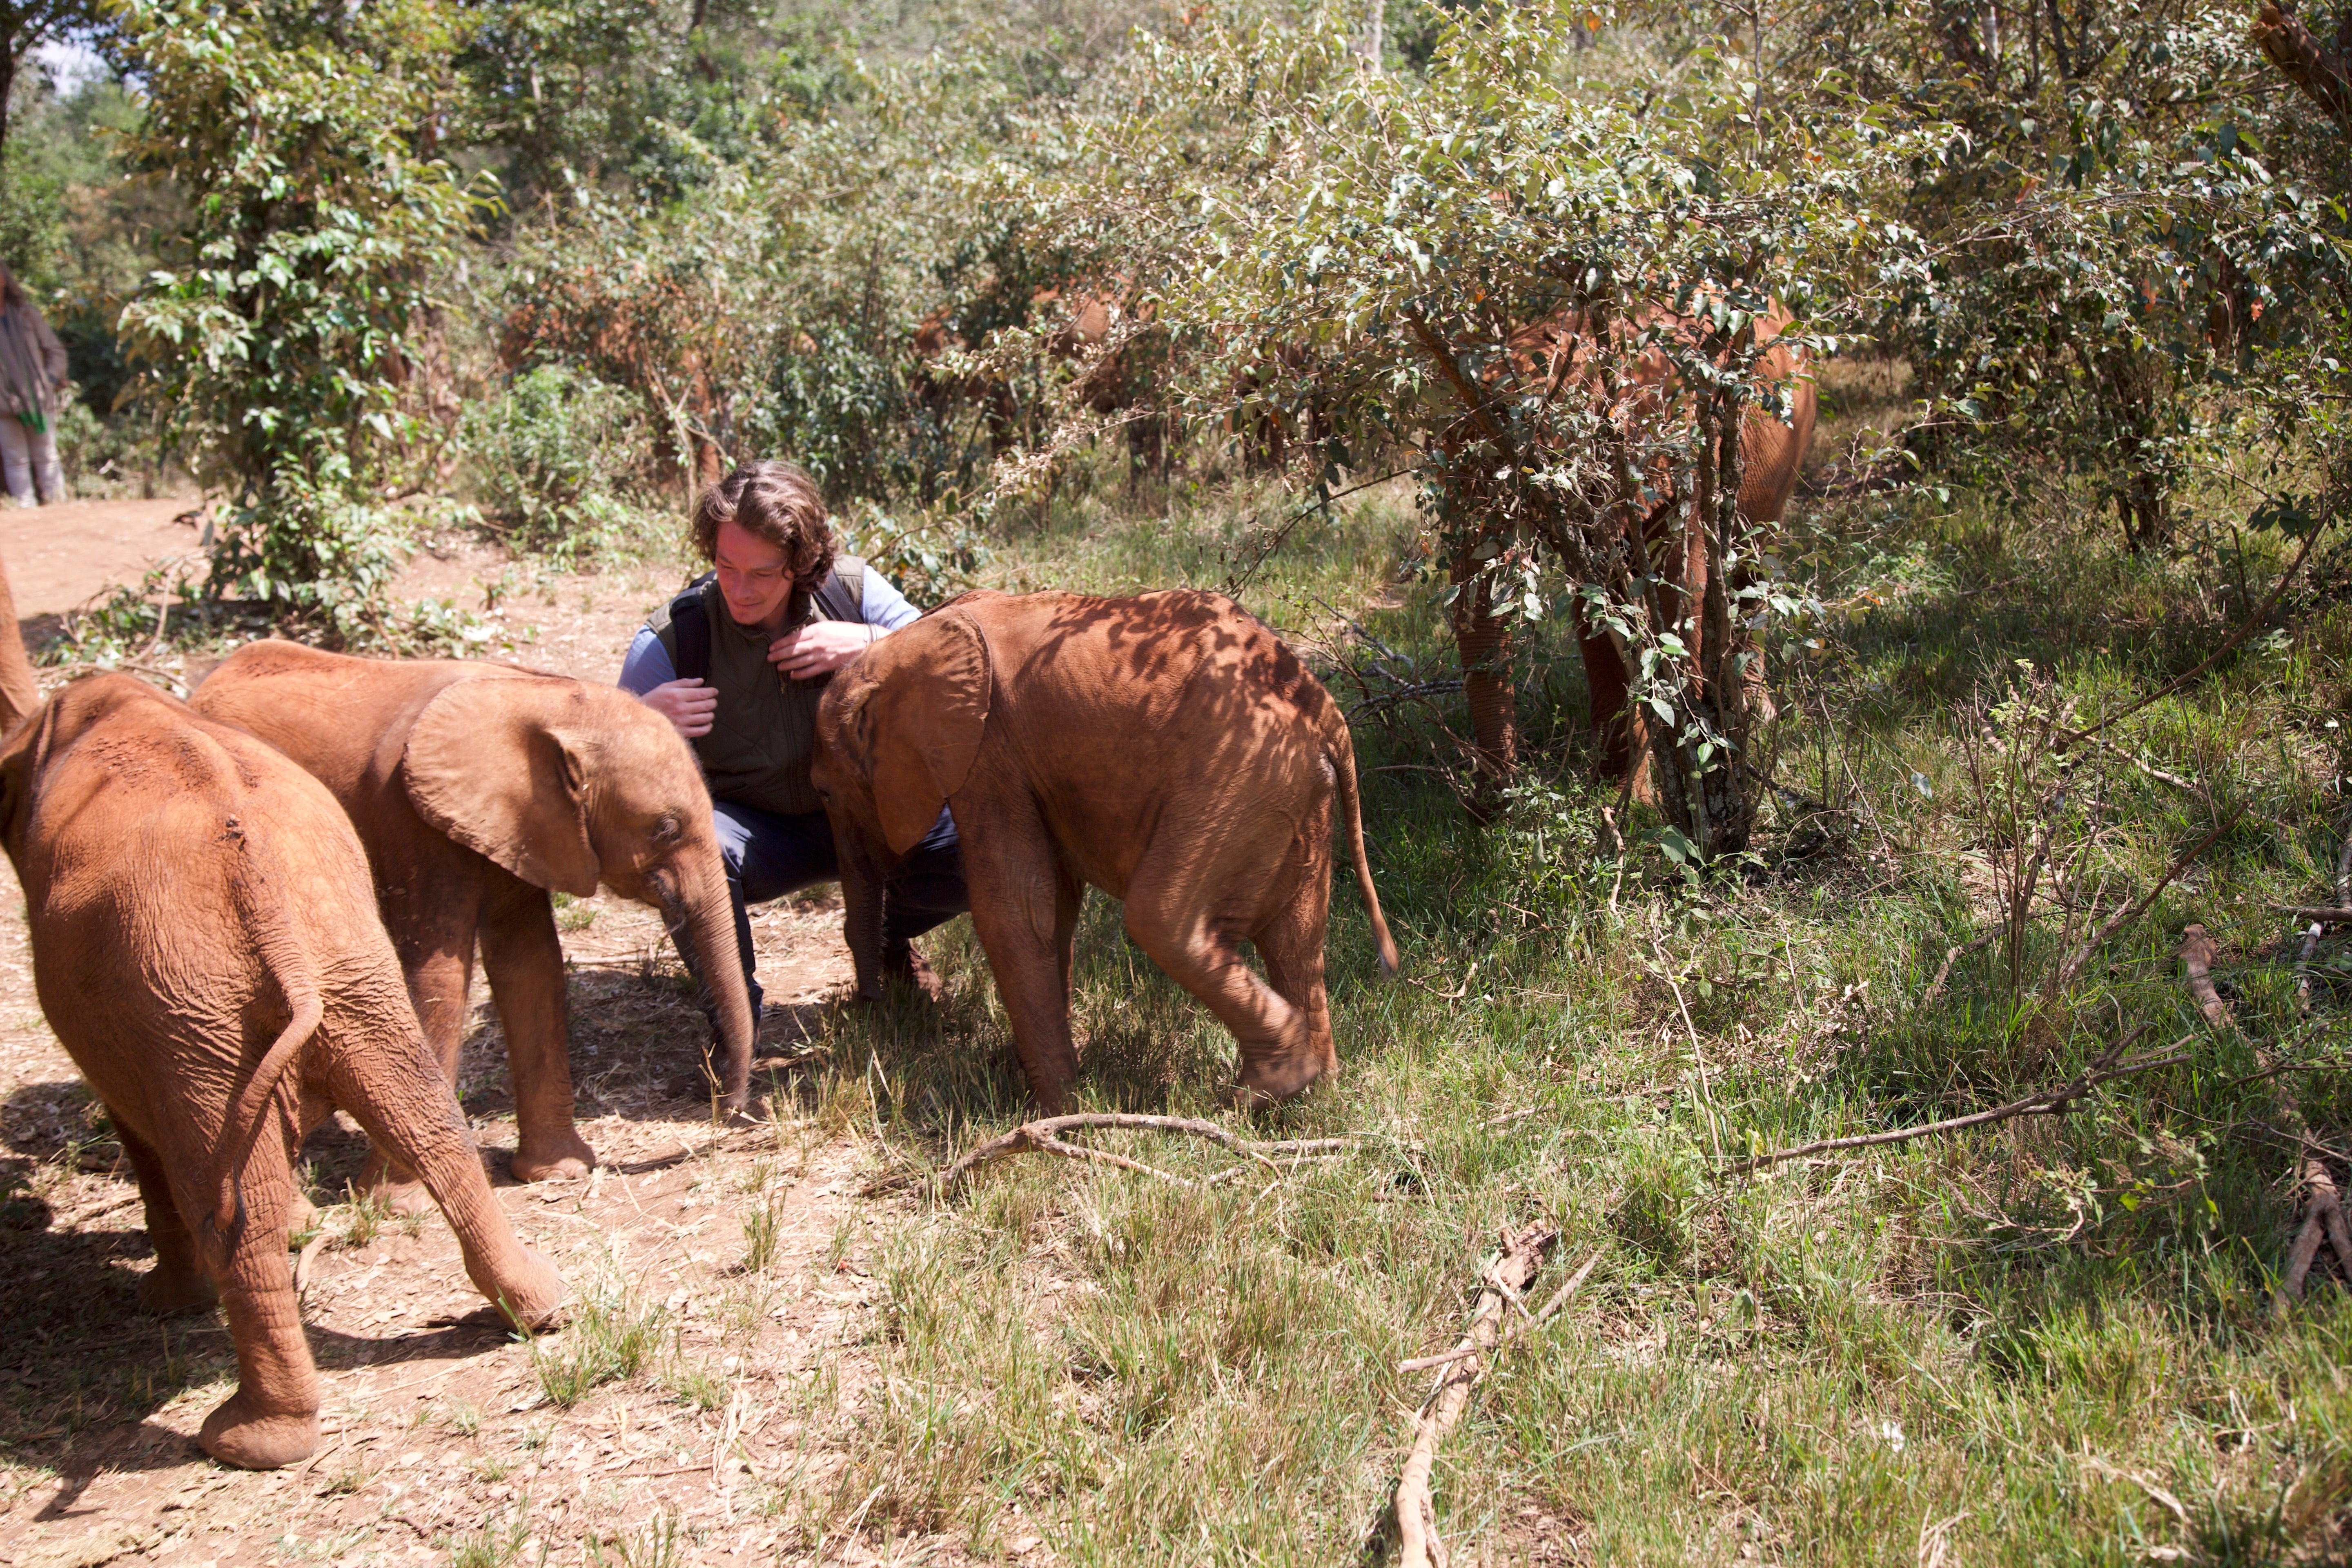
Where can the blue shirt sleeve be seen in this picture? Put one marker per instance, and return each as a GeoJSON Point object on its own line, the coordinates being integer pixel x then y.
{"type": "Point", "coordinates": [647, 664]}
{"type": "Point", "coordinates": [885, 606]}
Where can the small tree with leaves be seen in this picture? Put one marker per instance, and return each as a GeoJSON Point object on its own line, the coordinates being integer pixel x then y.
{"type": "Point", "coordinates": [282, 336]}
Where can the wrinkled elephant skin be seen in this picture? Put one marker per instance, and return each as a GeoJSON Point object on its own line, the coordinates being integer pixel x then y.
{"type": "Point", "coordinates": [206, 946]}
{"type": "Point", "coordinates": [1167, 749]}
{"type": "Point", "coordinates": [478, 789]}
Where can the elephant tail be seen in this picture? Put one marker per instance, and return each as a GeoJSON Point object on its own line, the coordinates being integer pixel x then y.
{"type": "Point", "coordinates": [1340, 745]}
{"type": "Point", "coordinates": [288, 962]}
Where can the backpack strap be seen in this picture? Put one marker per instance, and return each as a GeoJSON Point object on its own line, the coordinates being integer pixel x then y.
{"type": "Point", "coordinates": [690, 632]}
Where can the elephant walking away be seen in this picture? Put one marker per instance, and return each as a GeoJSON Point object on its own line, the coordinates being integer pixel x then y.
{"type": "Point", "coordinates": [206, 946]}
{"type": "Point", "coordinates": [476, 789]}
{"type": "Point", "coordinates": [1167, 749]}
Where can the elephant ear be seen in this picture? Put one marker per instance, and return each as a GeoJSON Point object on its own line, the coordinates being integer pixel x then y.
{"type": "Point", "coordinates": [919, 727]}
{"type": "Point", "coordinates": [495, 762]}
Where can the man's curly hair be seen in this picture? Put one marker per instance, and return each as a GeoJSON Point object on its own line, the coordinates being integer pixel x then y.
{"type": "Point", "coordinates": [775, 501]}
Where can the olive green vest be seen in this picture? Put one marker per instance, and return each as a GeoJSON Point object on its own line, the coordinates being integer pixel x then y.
{"type": "Point", "coordinates": [763, 736]}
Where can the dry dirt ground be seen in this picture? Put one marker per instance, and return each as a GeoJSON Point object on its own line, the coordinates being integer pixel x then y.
{"type": "Point", "coordinates": [728, 1265]}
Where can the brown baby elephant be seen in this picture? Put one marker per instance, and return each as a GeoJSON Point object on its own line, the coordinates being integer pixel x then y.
{"type": "Point", "coordinates": [1167, 749]}
{"type": "Point", "coordinates": [206, 946]}
{"type": "Point", "coordinates": [476, 788]}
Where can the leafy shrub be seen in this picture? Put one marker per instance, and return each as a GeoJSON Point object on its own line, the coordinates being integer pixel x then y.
{"type": "Point", "coordinates": [551, 453]}
{"type": "Point", "coordinates": [930, 560]}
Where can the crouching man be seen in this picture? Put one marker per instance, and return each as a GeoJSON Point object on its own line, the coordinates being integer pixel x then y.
{"type": "Point", "coordinates": [737, 663]}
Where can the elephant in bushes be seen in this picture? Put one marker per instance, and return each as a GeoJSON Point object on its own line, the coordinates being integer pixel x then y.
{"type": "Point", "coordinates": [476, 788]}
{"type": "Point", "coordinates": [1167, 749]}
{"type": "Point", "coordinates": [206, 946]}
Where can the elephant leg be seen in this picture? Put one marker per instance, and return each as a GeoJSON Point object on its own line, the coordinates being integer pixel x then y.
{"type": "Point", "coordinates": [1025, 915]}
{"type": "Point", "coordinates": [178, 1283]}
{"type": "Point", "coordinates": [1291, 943]}
{"type": "Point", "coordinates": [440, 973]}
{"type": "Point", "coordinates": [523, 959]}
{"type": "Point", "coordinates": [1172, 922]}
{"type": "Point", "coordinates": [272, 1419]}
{"type": "Point", "coordinates": [396, 1092]}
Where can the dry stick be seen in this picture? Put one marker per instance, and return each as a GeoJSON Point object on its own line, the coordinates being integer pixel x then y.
{"type": "Point", "coordinates": [2054, 1102]}
{"type": "Point", "coordinates": [1418, 1545]}
{"type": "Point", "coordinates": [1042, 1137]}
{"type": "Point", "coordinates": [2324, 914]}
{"type": "Point", "coordinates": [1517, 1332]}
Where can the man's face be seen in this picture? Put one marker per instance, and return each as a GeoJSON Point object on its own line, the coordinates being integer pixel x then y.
{"type": "Point", "coordinates": [753, 576]}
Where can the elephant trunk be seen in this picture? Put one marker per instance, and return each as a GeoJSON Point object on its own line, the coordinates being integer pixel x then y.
{"type": "Point", "coordinates": [704, 924]}
{"type": "Point", "coordinates": [861, 901]}
{"type": "Point", "coordinates": [20, 693]}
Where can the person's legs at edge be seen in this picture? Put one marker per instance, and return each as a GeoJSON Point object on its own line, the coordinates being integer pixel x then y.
{"type": "Point", "coordinates": [48, 473]}
{"type": "Point", "coordinates": [926, 890]}
{"type": "Point", "coordinates": [16, 461]}
{"type": "Point", "coordinates": [768, 856]}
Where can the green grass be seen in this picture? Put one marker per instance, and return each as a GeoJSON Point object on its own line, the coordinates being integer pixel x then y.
{"type": "Point", "coordinates": [2046, 1341]}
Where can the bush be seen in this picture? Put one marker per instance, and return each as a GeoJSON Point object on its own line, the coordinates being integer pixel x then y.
{"type": "Point", "coordinates": [551, 456]}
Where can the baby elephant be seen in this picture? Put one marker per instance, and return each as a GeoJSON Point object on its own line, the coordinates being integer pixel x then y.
{"type": "Point", "coordinates": [206, 945]}
{"type": "Point", "coordinates": [1167, 749]}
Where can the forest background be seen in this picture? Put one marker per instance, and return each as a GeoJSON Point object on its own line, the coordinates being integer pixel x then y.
{"type": "Point", "coordinates": [2004, 764]}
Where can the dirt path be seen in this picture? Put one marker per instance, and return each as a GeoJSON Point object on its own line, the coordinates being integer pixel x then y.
{"type": "Point", "coordinates": [722, 1272]}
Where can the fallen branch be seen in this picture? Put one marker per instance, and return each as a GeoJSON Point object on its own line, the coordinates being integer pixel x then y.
{"type": "Point", "coordinates": [1418, 1544]}
{"type": "Point", "coordinates": [1517, 1332]}
{"type": "Point", "coordinates": [1044, 1137]}
{"type": "Point", "coordinates": [2324, 914]}
{"type": "Point", "coordinates": [2052, 1101]}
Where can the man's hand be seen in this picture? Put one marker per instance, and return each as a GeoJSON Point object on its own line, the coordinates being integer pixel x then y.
{"type": "Point", "coordinates": [688, 705]}
{"type": "Point", "coordinates": [822, 648]}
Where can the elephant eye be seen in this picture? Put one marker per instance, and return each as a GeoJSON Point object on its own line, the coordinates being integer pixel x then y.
{"type": "Point", "coordinates": [665, 827]}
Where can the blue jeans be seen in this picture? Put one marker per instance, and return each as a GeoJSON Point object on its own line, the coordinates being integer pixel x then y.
{"type": "Point", "coordinates": [768, 854]}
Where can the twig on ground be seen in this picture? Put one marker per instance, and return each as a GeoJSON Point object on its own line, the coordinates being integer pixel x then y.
{"type": "Point", "coordinates": [1517, 1332]}
{"type": "Point", "coordinates": [2324, 914]}
{"type": "Point", "coordinates": [1043, 1136]}
{"type": "Point", "coordinates": [2158, 775]}
{"type": "Point", "coordinates": [1944, 973]}
{"type": "Point", "coordinates": [1418, 1544]}
{"type": "Point", "coordinates": [1454, 995]}
{"type": "Point", "coordinates": [2311, 938]}
{"type": "Point", "coordinates": [2055, 1101]}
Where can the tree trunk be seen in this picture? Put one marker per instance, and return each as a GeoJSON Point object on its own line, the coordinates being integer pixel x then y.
{"type": "Point", "coordinates": [1484, 639]}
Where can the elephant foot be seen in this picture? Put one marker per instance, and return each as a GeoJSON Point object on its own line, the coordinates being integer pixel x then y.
{"type": "Point", "coordinates": [237, 1433]}
{"type": "Point", "coordinates": [408, 1199]}
{"type": "Point", "coordinates": [528, 1298]}
{"type": "Point", "coordinates": [1273, 1081]}
{"type": "Point", "coordinates": [301, 1213]}
{"type": "Point", "coordinates": [563, 1158]}
{"type": "Point", "coordinates": [167, 1292]}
